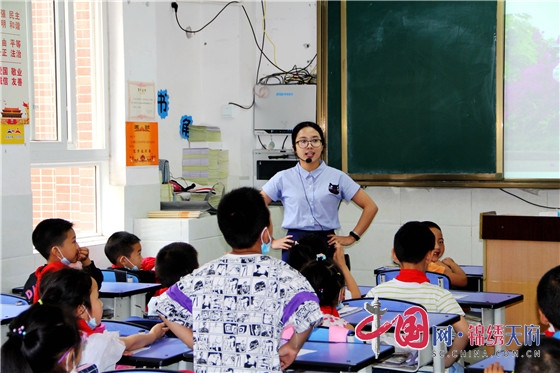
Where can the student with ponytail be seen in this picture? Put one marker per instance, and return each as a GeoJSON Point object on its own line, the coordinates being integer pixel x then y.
{"type": "Point", "coordinates": [42, 339]}
{"type": "Point", "coordinates": [78, 291]}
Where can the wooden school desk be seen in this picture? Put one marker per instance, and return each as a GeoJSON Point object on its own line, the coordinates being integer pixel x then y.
{"type": "Point", "coordinates": [128, 298]}
{"type": "Point", "coordinates": [434, 319]}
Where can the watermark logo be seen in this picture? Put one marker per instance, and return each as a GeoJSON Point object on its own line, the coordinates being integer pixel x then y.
{"type": "Point", "coordinates": [411, 330]}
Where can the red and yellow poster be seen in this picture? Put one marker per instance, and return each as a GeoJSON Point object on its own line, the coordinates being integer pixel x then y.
{"type": "Point", "coordinates": [14, 70]}
{"type": "Point", "coordinates": [142, 144]}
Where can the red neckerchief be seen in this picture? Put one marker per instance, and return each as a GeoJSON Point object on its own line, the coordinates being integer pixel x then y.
{"type": "Point", "coordinates": [84, 328]}
{"type": "Point", "coordinates": [412, 275]}
{"type": "Point", "coordinates": [148, 263]}
{"type": "Point", "coordinates": [39, 272]}
{"type": "Point", "coordinates": [330, 310]}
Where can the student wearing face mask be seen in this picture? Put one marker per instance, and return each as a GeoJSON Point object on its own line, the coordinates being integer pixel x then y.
{"type": "Point", "coordinates": [276, 295]}
{"type": "Point", "coordinates": [124, 250]}
{"type": "Point", "coordinates": [77, 291]}
{"type": "Point", "coordinates": [55, 240]}
{"type": "Point", "coordinates": [42, 339]}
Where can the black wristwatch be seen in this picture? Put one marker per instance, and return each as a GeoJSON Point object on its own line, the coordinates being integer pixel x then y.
{"type": "Point", "coordinates": [355, 235]}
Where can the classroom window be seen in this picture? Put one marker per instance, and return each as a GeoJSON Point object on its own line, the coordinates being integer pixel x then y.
{"type": "Point", "coordinates": [68, 193]}
{"type": "Point", "coordinates": [69, 143]}
{"type": "Point", "coordinates": [532, 90]}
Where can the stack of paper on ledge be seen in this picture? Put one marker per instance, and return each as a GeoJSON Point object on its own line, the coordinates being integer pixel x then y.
{"type": "Point", "coordinates": [205, 166]}
{"type": "Point", "coordinates": [204, 134]}
{"type": "Point", "coordinates": [174, 214]}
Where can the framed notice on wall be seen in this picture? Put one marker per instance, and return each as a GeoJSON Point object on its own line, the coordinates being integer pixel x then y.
{"type": "Point", "coordinates": [141, 101]}
{"type": "Point", "coordinates": [142, 144]}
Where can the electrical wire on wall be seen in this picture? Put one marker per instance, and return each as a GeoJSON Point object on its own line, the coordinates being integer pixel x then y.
{"type": "Point", "coordinates": [293, 76]}
{"type": "Point", "coordinates": [531, 203]}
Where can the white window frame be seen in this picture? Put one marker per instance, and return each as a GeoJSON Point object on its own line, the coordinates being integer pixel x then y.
{"type": "Point", "coordinates": [63, 152]}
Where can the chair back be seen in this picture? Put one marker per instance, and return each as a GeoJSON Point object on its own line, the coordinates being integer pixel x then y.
{"type": "Point", "coordinates": [386, 276]}
{"type": "Point", "coordinates": [117, 275]}
{"type": "Point", "coordinates": [12, 299]}
{"type": "Point", "coordinates": [434, 278]}
{"type": "Point", "coordinates": [439, 279]}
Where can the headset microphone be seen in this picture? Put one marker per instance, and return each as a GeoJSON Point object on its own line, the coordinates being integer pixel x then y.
{"type": "Point", "coordinates": [306, 160]}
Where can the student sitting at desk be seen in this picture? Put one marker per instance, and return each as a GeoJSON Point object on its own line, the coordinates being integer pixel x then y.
{"type": "Point", "coordinates": [328, 282]}
{"type": "Point", "coordinates": [446, 266]}
{"type": "Point", "coordinates": [173, 261]}
{"type": "Point", "coordinates": [55, 240]}
{"type": "Point", "coordinates": [245, 294]}
{"type": "Point", "coordinates": [124, 251]}
{"type": "Point", "coordinates": [413, 247]}
{"type": "Point", "coordinates": [76, 290]}
{"type": "Point", "coordinates": [44, 338]}
{"type": "Point", "coordinates": [306, 250]}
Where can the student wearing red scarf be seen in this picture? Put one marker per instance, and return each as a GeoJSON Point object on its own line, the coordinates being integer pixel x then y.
{"type": "Point", "coordinates": [327, 280]}
{"type": "Point", "coordinates": [76, 290]}
{"type": "Point", "coordinates": [55, 240]}
{"type": "Point", "coordinates": [173, 261]}
{"type": "Point", "coordinates": [413, 246]}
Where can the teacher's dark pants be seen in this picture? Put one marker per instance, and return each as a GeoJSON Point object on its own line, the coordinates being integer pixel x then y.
{"type": "Point", "coordinates": [297, 234]}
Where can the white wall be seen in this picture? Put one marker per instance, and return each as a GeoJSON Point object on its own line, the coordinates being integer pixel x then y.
{"type": "Point", "coordinates": [203, 73]}
{"type": "Point", "coordinates": [217, 65]}
{"type": "Point", "coordinates": [456, 210]}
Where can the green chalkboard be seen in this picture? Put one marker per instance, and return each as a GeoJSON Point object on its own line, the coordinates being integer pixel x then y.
{"type": "Point", "coordinates": [420, 91]}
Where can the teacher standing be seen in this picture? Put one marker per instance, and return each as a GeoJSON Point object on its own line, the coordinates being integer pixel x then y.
{"type": "Point", "coordinates": [311, 193]}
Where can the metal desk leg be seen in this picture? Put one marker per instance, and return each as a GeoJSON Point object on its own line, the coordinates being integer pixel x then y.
{"type": "Point", "coordinates": [122, 308]}
{"type": "Point", "coordinates": [494, 317]}
{"type": "Point", "coordinates": [439, 359]}
{"type": "Point", "coordinates": [138, 305]}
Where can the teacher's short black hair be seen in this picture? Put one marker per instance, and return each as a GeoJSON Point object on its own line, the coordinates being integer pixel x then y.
{"type": "Point", "coordinates": [301, 125]}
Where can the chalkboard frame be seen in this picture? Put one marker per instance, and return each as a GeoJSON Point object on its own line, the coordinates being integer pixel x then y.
{"type": "Point", "coordinates": [335, 115]}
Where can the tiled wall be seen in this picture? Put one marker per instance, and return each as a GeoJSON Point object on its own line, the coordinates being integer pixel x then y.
{"type": "Point", "coordinates": [456, 211]}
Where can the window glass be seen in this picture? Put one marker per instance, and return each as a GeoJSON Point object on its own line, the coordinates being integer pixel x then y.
{"type": "Point", "coordinates": [532, 90]}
